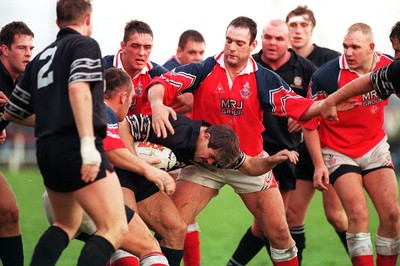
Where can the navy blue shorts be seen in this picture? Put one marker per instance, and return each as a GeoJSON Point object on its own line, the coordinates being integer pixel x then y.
{"type": "Point", "coordinates": [59, 160]}
{"type": "Point", "coordinates": [140, 185]}
{"type": "Point", "coordinates": [305, 166]}
{"type": "Point", "coordinates": [284, 172]}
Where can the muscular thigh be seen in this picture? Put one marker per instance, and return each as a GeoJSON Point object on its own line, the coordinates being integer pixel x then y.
{"type": "Point", "coordinates": [159, 212]}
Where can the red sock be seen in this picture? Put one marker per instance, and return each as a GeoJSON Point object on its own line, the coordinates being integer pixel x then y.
{"type": "Point", "coordinates": [126, 261]}
{"type": "Point", "coordinates": [386, 260]}
{"type": "Point", "coordinates": [191, 251]}
{"type": "Point", "coordinates": [364, 260]}
{"type": "Point", "coordinates": [292, 262]}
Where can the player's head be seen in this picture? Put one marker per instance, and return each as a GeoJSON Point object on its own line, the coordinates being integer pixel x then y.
{"type": "Point", "coordinates": [191, 47]}
{"type": "Point", "coordinates": [301, 22]}
{"type": "Point", "coordinates": [358, 47]}
{"type": "Point", "coordinates": [74, 12]}
{"type": "Point", "coordinates": [395, 39]}
{"type": "Point", "coordinates": [240, 41]}
{"type": "Point", "coordinates": [119, 91]}
{"type": "Point", "coordinates": [275, 40]}
{"type": "Point", "coordinates": [16, 45]}
{"type": "Point", "coordinates": [136, 46]}
{"type": "Point", "coordinates": [218, 146]}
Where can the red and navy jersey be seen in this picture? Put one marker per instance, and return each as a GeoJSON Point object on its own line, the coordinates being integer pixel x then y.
{"type": "Point", "coordinates": [43, 89]}
{"type": "Point", "coordinates": [362, 123]}
{"type": "Point", "coordinates": [140, 81]}
{"type": "Point", "coordinates": [171, 63]}
{"type": "Point", "coordinates": [113, 140]}
{"type": "Point", "coordinates": [238, 103]}
{"type": "Point", "coordinates": [386, 80]}
{"type": "Point", "coordinates": [296, 72]}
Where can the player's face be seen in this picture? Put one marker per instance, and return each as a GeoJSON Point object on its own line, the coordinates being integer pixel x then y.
{"type": "Point", "coordinates": [203, 154]}
{"type": "Point", "coordinates": [301, 30]}
{"type": "Point", "coordinates": [20, 53]}
{"type": "Point", "coordinates": [136, 52]}
{"type": "Point", "coordinates": [358, 51]}
{"type": "Point", "coordinates": [193, 52]}
{"type": "Point", "coordinates": [237, 48]}
{"type": "Point", "coordinates": [275, 42]}
{"type": "Point", "coordinates": [396, 48]}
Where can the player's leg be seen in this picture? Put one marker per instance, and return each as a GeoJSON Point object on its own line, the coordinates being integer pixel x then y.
{"type": "Point", "coordinates": [11, 250]}
{"type": "Point", "coordinates": [335, 213]}
{"type": "Point", "coordinates": [67, 215]}
{"type": "Point", "coordinates": [191, 248]}
{"type": "Point", "coordinates": [381, 186]}
{"type": "Point", "coordinates": [161, 215]}
{"type": "Point", "coordinates": [296, 211]}
{"type": "Point", "coordinates": [111, 228]}
{"type": "Point", "coordinates": [349, 188]}
{"type": "Point", "coordinates": [267, 207]}
{"type": "Point", "coordinates": [249, 245]}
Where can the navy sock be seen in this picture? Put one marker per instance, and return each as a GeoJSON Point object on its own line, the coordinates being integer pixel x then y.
{"type": "Point", "coordinates": [50, 246]}
{"type": "Point", "coordinates": [342, 236]}
{"type": "Point", "coordinates": [174, 256]}
{"type": "Point", "coordinates": [96, 252]}
{"type": "Point", "coordinates": [299, 235]}
{"type": "Point", "coordinates": [11, 251]}
{"type": "Point", "coordinates": [248, 247]}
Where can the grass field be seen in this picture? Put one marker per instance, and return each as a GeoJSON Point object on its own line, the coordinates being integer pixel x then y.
{"type": "Point", "coordinates": [222, 224]}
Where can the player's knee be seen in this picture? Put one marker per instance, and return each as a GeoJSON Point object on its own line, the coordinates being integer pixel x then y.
{"type": "Point", "coordinates": [9, 215]}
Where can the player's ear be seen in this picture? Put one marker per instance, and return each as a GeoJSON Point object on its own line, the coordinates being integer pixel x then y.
{"type": "Point", "coordinates": [4, 49]}
{"type": "Point", "coordinates": [206, 136]}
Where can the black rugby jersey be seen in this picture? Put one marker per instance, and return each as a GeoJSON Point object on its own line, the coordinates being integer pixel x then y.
{"type": "Point", "coordinates": [297, 74]}
{"type": "Point", "coordinates": [43, 89]}
{"type": "Point", "coordinates": [182, 143]}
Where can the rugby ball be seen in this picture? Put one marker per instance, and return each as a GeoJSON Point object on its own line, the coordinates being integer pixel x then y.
{"type": "Point", "coordinates": [147, 150]}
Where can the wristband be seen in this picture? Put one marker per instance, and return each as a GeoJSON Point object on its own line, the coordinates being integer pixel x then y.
{"type": "Point", "coordinates": [89, 153]}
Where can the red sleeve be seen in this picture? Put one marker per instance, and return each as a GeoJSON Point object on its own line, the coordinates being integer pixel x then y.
{"type": "Point", "coordinates": [112, 140]}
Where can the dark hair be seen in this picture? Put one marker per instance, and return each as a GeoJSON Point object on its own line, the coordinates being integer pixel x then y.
{"type": "Point", "coordinates": [302, 10]}
{"type": "Point", "coordinates": [245, 23]}
{"type": "Point", "coordinates": [395, 33]}
{"type": "Point", "coordinates": [116, 80]}
{"type": "Point", "coordinates": [69, 11]}
{"type": "Point", "coordinates": [136, 26]}
{"type": "Point", "coordinates": [226, 142]}
{"type": "Point", "coordinates": [9, 31]}
{"type": "Point", "coordinates": [190, 35]}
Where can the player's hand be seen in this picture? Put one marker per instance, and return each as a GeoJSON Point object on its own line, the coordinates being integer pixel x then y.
{"type": "Point", "coordinates": [91, 159]}
{"type": "Point", "coordinates": [284, 155]}
{"type": "Point", "coordinates": [329, 110]}
{"type": "Point", "coordinates": [293, 125]}
{"type": "Point", "coordinates": [3, 99]}
{"type": "Point", "coordinates": [160, 119]}
{"type": "Point", "coordinates": [3, 136]}
{"type": "Point", "coordinates": [321, 178]}
{"type": "Point", "coordinates": [162, 179]}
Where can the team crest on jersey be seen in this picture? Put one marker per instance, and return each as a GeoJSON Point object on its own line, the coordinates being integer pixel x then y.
{"type": "Point", "coordinates": [297, 81]}
{"type": "Point", "coordinates": [219, 88]}
{"type": "Point", "coordinates": [139, 89]}
{"type": "Point", "coordinates": [245, 92]}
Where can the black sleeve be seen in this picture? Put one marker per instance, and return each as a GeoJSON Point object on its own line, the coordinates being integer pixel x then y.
{"type": "Point", "coordinates": [386, 80]}
{"type": "Point", "coordinates": [140, 126]}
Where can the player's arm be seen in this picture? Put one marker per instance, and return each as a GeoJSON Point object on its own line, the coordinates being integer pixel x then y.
{"type": "Point", "coordinates": [255, 166]}
{"type": "Point", "coordinates": [125, 159]}
{"type": "Point", "coordinates": [160, 112]}
{"type": "Point", "coordinates": [356, 87]}
{"type": "Point", "coordinates": [80, 98]}
{"type": "Point", "coordinates": [321, 175]}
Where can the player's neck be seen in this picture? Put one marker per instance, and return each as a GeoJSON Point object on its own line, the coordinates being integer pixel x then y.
{"type": "Point", "coordinates": [304, 51]}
